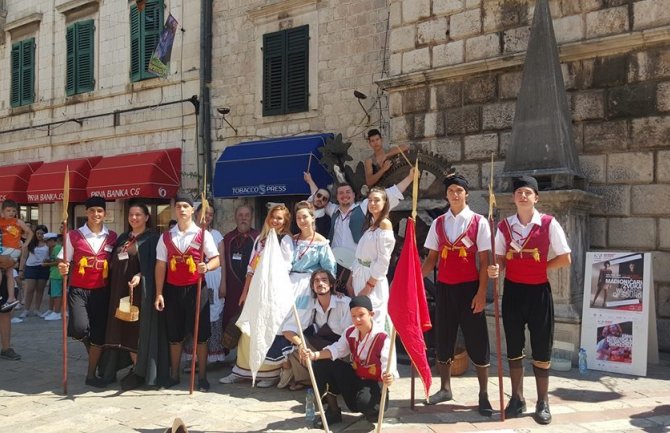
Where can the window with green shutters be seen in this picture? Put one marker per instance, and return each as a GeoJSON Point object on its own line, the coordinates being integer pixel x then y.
{"type": "Point", "coordinates": [145, 29]}
{"type": "Point", "coordinates": [285, 71]}
{"type": "Point", "coordinates": [79, 76]}
{"type": "Point", "coordinates": [23, 73]}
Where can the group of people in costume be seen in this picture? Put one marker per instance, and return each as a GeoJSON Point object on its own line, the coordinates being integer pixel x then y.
{"type": "Point", "coordinates": [341, 310]}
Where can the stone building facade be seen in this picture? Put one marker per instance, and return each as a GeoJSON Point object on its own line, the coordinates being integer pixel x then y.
{"type": "Point", "coordinates": [455, 72]}
{"type": "Point", "coordinates": [72, 133]}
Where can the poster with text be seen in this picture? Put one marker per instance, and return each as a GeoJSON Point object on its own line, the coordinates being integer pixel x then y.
{"type": "Point", "coordinates": [616, 311]}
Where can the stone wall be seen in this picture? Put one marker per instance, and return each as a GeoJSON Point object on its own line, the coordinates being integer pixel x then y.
{"type": "Point", "coordinates": [153, 128]}
{"type": "Point", "coordinates": [346, 53]}
{"type": "Point", "coordinates": [455, 75]}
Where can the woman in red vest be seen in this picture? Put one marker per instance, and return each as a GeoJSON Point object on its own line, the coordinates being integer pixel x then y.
{"type": "Point", "coordinates": [455, 242]}
{"type": "Point", "coordinates": [89, 248]}
{"type": "Point", "coordinates": [360, 382]}
{"type": "Point", "coordinates": [179, 265]}
{"type": "Point", "coordinates": [523, 244]}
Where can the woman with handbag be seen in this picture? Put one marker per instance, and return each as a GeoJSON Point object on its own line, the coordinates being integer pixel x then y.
{"type": "Point", "coordinates": [328, 319]}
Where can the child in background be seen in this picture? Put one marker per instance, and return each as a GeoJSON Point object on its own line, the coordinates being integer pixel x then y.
{"type": "Point", "coordinates": [55, 243]}
{"type": "Point", "coordinates": [12, 230]}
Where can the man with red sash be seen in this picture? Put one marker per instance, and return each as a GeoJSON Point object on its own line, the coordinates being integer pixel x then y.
{"type": "Point", "coordinates": [360, 382]}
{"type": "Point", "coordinates": [524, 243]}
{"type": "Point", "coordinates": [179, 265]}
{"type": "Point", "coordinates": [455, 242]}
{"type": "Point", "coordinates": [89, 249]}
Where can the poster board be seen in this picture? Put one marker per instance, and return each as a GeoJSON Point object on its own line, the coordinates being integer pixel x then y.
{"type": "Point", "coordinates": [619, 315]}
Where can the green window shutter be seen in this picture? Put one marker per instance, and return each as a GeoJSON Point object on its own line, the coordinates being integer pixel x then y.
{"type": "Point", "coordinates": [85, 80]}
{"type": "Point", "coordinates": [70, 63]}
{"type": "Point", "coordinates": [297, 56]}
{"type": "Point", "coordinates": [28, 71]}
{"type": "Point", "coordinates": [274, 47]}
{"type": "Point", "coordinates": [135, 35]}
{"type": "Point", "coordinates": [151, 32]}
{"type": "Point", "coordinates": [15, 93]}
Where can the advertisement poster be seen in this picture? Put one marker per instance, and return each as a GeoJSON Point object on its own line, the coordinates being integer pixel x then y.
{"type": "Point", "coordinates": [618, 316]}
{"type": "Point", "coordinates": [159, 63]}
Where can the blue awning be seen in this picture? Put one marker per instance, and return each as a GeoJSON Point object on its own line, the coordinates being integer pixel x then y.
{"type": "Point", "coordinates": [270, 167]}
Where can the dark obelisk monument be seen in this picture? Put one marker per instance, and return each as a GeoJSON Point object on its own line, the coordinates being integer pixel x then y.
{"type": "Point", "coordinates": [543, 146]}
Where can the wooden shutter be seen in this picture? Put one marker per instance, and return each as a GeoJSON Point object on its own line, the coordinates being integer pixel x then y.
{"type": "Point", "coordinates": [135, 43]}
{"type": "Point", "coordinates": [84, 56]}
{"type": "Point", "coordinates": [151, 32]}
{"type": "Point", "coordinates": [15, 94]}
{"type": "Point", "coordinates": [274, 47]}
{"type": "Point", "coordinates": [28, 71]}
{"type": "Point", "coordinates": [70, 62]}
{"type": "Point", "coordinates": [297, 61]}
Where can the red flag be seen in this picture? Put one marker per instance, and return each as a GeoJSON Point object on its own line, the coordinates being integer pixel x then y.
{"type": "Point", "coordinates": [408, 307]}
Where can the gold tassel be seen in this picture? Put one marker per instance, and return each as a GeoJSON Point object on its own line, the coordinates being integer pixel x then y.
{"type": "Point", "coordinates": [105, 269]}
{"type": "Point", "coordinates": [462, 252]}
{"type": "Point", "coordinates": [83, 263]}
{"type": "Point", "coordinates": [173, 264]}
{"type": "Point", "coordinates": [536, 254]}
{"type": "Point", "coordinates": [372, 370]}
{"type": "Point", "coordinates": [445, 252]}
{"type": "Point", "coordinates": [191, 264]}
{"type": "Point", "coordinates": [509, 255]}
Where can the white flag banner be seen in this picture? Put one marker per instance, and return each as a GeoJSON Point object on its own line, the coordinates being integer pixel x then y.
{"type": "Point", "coordinates": [268, 303]}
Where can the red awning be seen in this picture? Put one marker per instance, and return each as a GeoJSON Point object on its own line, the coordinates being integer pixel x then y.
{"type": "Point", "coordinates": [153, 174]}
{"type": "Point", "coordinates": [46, 184]}
{"type": "Point", "coordinates": [14, 181]}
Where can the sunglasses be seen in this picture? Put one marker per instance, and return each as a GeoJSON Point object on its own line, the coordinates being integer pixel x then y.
{"type": "Point", "coordinates": [320, 196]}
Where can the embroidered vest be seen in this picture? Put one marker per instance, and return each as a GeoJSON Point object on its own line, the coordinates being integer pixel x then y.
{"type": "Point", "coordinates": [529, 265]}
{"type": "Point", "coordinates": [183, 266]}
{"type": "Point", "coordinates": [458, 262]}
{"type": "Point", "coordinates": [369, 368]}
{"type": "Point", "coordinates": [91, 268]}
{"type": "Point", "coordinates": [356, 221]}
{"type": "Point", "coordinates": [11, 233]}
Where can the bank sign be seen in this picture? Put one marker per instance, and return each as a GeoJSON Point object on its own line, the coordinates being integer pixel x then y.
{"type": "Point", "coordinates": [120, 193]}
{"type": "Point", "coordinates": [262, 189]}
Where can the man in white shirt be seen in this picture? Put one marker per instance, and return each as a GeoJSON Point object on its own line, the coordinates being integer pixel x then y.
{"type": "Point", "coordinates": [89, 249]}
{"type": "Point", "coordinates": [179, 266]}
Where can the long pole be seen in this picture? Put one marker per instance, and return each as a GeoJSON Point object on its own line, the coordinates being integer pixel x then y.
{"type": "Point", "coordinates": [196, 326]}
{"type": "Point", "coordinates": [64, 315]}
{"type": "Point", "coordinates": [317, 395]}
{"type": "Point", "coordinates": [385, 387]}
{"type": "Point", "coordinates": [496, 311]}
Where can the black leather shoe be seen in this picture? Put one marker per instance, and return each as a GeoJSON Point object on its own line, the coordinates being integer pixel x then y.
{"type": "Point", "coordinates": [485, 408]}
{"type": "Point", "coordinates": [203, 384]}
{"type": "Point", "coordinates": [332, 416]}
{"type": "Point", "coordinates": [96, 382]}
{"type": "Point", "coordinates": [515, 407]}
{"type": "Point", "coordinates": [440, 396]}
{"type": "Point", "coordinates": [542, 413]}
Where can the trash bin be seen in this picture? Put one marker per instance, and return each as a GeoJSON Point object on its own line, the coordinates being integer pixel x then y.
{"type": "Point", "coordinates": [561, 356]}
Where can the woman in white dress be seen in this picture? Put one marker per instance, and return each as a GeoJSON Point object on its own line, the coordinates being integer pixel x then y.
{"type": "Point", "coordinates": [373, 254]}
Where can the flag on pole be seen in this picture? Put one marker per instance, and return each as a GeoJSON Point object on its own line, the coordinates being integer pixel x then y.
{"type": "Point", "coordinates": [268, 303]}
{"type": "Point", "coordinates": [408, 308]}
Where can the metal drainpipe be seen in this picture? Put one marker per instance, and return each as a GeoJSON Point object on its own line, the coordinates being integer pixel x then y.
{"type": "Point", "coordinates": [205, 80]}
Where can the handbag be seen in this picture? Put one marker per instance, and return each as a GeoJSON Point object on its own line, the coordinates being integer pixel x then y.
{"type": "Point", "coordinates": [231, 334]}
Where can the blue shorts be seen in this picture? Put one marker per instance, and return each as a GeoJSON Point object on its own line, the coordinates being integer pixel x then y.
{"type": "Point", "coordinates": [55, 288]}
{"type": "Point", "coordinates": [36, 273]}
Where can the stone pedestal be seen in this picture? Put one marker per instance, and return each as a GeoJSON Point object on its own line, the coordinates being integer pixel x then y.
{"type": "Point", "coordinates": [571, 208]}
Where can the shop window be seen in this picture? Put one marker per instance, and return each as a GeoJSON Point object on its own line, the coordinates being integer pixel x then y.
{"type": "Point", "coordinates": [79, 77]}
{"type": "Point", "coordinates": [285, 71]}
{"type": "Point", "coordinates": [23, 73]}
{"type": "Point", "coordinates": [145, 29]}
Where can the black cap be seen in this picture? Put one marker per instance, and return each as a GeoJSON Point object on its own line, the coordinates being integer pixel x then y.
{"type": "Point", "coordinates": [183, 199]}
{"type": "Point", "coordinates": [524, 181]}
{"type": "Point", "coordinates": [95, 202]}
{"type": "Point", "coordinates": [360, 301]}
{"type": "Point", "coordinates": [456, 179]}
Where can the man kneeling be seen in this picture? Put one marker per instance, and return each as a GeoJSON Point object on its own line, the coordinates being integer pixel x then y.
{"type": "Point", "coordinates": [360, 382]}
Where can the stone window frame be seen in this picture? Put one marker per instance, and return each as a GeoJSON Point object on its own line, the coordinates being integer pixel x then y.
{"type": "Point", "coordinates": [280, 16]}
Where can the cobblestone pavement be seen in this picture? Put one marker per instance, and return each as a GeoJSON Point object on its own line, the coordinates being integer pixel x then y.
{"type": "Point", "coordinates": [31, 400]}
